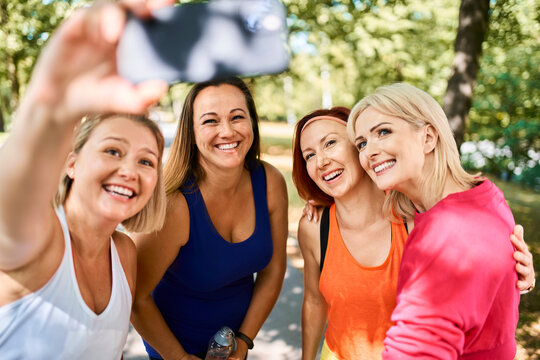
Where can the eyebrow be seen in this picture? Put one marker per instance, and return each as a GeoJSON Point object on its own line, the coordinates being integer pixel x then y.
{"type": "Point", "coordinates": [122, 140]}
{"type": "Point", "coordinates": [373, 128]}
{"type": "Point", "coordinates": [115, 138]}
{"type": "Point", "coordinates": [322, 139]}
{"type": "Point", "coordinates": [215, 114]}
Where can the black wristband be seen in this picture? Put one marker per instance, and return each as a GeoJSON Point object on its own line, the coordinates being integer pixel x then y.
{"type": "Point", "coordinates": [245, 339]}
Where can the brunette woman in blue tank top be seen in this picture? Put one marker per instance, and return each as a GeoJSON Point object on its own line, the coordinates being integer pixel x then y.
{"type": "Point", "coordinates": [226, 221]}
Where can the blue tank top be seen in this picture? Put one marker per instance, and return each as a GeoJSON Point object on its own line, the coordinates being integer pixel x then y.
{"type": "Point", "coordinates": [210, 283]}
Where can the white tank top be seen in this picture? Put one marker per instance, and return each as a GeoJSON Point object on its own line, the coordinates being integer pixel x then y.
{"type": "Point", "coordinates": [55, 323]}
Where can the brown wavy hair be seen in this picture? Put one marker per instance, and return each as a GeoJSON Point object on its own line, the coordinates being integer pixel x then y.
{"type": "Point", "coordinates": [183, 160]}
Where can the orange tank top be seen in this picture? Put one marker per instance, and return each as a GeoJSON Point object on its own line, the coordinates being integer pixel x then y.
{"type": "Point", "coordinates": [360, 299]}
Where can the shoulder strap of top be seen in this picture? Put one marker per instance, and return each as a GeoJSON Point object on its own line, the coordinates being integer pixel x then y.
{"type": "Point", "coordinates": [61, 213]}
{"type": "Point", "coordinates": [259, 186]}
{"type": "Point", "coordinates": [324, 228]}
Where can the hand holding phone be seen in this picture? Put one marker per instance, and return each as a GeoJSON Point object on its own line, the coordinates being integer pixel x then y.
{"type": "Point", "coordinates": [197, 42]}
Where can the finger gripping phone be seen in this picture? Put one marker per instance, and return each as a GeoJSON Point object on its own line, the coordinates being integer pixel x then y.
{"type": "Point", "coordinates": [197, 42]}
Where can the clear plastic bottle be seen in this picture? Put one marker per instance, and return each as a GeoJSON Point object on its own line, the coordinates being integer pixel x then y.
{"type": "Point", "coordinates": [221, 345]}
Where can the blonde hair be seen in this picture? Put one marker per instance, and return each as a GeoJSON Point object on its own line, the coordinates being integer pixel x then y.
{"type": "Point", "coordinates": [152, 216]}
{"type": "Point", "coordinates": [183, 159]}
{"type": "Point", "coordinates": [417, 108]}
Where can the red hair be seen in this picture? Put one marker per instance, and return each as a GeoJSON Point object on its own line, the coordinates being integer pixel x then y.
{"type": "Point", "coordinates": [307, 189]}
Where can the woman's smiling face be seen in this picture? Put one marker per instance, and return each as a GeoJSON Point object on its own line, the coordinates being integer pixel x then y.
{"type": "Point", "coordinates": [116, 171]}
{"type": "Point", "coordinates": [390, 149]}
{"type": "Point", "coordinates": [222, 126]}
{"type": "Point", "coordinates": [331, 159]}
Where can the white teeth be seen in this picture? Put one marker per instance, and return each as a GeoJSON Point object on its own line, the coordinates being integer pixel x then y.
{"type": "Point", "coordinates": [332, 175]}
{"type": "Point", "coordinates": [228, 146]}
{"type": "Point", "coordinates": [119, 190]}
{"type": "Point", "coordinates": [384, 166]}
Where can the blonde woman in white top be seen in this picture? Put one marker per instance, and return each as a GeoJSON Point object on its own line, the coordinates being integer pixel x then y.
{"type": "Point", "coordinates": [66, 276]}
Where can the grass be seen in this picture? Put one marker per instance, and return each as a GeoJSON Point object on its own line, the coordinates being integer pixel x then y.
{"type": "Point", "coordinates": [524, 202]}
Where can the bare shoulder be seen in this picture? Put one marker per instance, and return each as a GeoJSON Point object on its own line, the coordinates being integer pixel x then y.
{"type": "Point", "coordinates": [274, 177]}
{"type": "Point", "coordinates": [128, 256]}
{"type": "Point", "coordinates": [177, 218]}
{"type": "Point", "coordinates": [276, 187]}
{"type": "Point", "coordinates": [123, 243]}
{"type": "Point", "coordinates": [177, 205]}
{"type": "Point", "coordinates": [175, 231]}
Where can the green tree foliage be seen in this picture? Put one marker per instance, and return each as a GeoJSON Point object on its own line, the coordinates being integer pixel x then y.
{"type": "Point", "coordinates": [364, 44]}
{"type": "Point", "coordinates": [506, 108]}
{"type": "Point", "coordinates": [24, 28]}
{"type": "Point", "coordinates": [347, 48]}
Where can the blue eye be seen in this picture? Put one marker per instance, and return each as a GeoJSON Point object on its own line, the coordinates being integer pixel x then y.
{"type": "Point", "coordinates": [147, 163]}
{"type": "Point", "coordinates": [361, 145]}
{"type": "Point", "coordinates": [383, 132]}
{"type": "Point", "coordinates": [112, 152]}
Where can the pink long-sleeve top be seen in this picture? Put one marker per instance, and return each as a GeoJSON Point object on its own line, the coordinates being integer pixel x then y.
{"type": "Point", "coordinates": [456, 296]}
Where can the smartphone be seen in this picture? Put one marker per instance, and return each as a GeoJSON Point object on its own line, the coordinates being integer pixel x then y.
{"type": "Point", "coordinates": [197, 42]}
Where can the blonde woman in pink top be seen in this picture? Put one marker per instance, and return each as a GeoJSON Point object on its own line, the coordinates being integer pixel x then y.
{"type": "Point", "coordinates": [456, 295]}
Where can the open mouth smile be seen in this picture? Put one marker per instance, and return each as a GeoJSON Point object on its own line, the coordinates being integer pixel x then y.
{"type": "Point", "coordinates": [384, 166]}
{"type": "Point", "coordinates": [120, 191]}
{"type": "Point", "coordinates": [228, 146]}
{"type": "Point", "coordinates": [333, 175]}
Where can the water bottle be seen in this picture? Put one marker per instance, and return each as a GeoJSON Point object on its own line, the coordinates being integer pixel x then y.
{"type": "Point", "coordinates": [221, 345]}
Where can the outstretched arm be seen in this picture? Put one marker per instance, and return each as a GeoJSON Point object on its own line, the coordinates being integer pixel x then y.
{"type": "Point", "coordinates": [74, 76]}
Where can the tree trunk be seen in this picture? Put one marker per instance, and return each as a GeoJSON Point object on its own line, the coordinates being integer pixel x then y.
{"type": "Point", "coordinates": [472, 30]}
{"type": "Point", "coordinates": [2, 126]}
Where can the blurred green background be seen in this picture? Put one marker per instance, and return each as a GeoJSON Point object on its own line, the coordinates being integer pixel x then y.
{"type": "Point", "coordinates": [342, 50]}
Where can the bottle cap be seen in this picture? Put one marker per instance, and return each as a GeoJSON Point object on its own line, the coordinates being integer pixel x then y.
{"type": "Point", "coordinates": [224, 336]}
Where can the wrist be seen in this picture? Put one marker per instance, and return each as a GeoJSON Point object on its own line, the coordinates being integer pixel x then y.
{"type": "Point", "coordinates": [245, 339]}
{"type": "Point", "coordinates": [529, 289]}
{"type": "Point", "coordinates": [36, 109]}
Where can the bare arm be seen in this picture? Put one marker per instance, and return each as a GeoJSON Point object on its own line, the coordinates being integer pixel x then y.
{"type": "Point", "coordinates": [314, 307]}
{"type": "Point", "coordinates": [269, 280]}
{"type": "Point", "coordinates": [155, 253]}
{"type": "Point", "coordinates": [75, 75]}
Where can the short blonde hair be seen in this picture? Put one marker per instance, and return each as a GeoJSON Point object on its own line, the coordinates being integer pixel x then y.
{"type": "Point", "coordinates": [417, 108]}
{"type": "Point", "coordinates": [152, 216]}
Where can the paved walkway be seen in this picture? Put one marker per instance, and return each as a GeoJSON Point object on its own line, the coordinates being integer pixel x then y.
{"type": "Point", "coordinates": [280, 337]}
